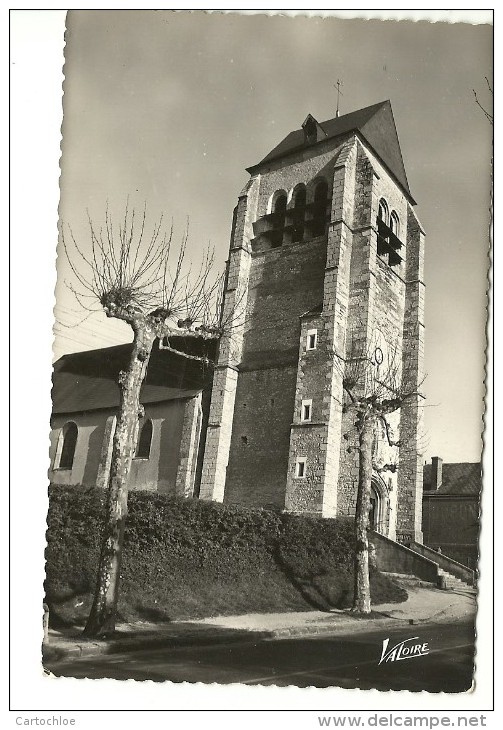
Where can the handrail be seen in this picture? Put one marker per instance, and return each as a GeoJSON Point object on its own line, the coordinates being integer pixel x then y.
{"type": "Point", "coordinates": [458, 570]}
{"type": "Point", "coordinates": [394, 557]}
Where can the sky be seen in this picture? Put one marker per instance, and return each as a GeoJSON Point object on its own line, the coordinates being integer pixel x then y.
{"type": "Point", "coordinates": [169, 108]}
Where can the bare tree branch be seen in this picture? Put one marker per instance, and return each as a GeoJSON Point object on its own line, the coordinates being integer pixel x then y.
{"type": "Point", "coordinates": [374, 387]}
{"type": "Point", "coordinates": [390, 441]}
{"type": "Point", "coordinates": [132, 277]}
{"type": "Point", "coordinates": [131, 271]}
{"type": "Point", "coordinates": [488, 115]}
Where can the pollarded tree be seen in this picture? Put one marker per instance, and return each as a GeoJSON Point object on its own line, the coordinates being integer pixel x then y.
{"type": "Point", "coordinates": [374, 390]}
{"type": "Point", "coordinates": [134, 275]}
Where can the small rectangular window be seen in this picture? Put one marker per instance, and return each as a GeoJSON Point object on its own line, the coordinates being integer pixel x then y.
{"type": "Point", "coordinates": [312, 340]}
{"type": "Point", "coordinates": [306, 409]}
{"type": "Point", "coordinates": [300, 467]}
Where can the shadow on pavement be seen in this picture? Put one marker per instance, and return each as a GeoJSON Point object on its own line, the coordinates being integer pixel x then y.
{"type": "Point", "coordinates": [350, 661]}
{"type": "Point", "coordinates": [69, 642]}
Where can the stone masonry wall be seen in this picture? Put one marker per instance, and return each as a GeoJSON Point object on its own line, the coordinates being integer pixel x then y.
{"type": "Point", "coordinates": [256, 434]}
{"type": "Point", "coordinates": [284, 283]}
{"type": "Point", "coordinates": [306, 166]}
{"type": "Point", "coordinates": [410, 475]}
{"type": "Point", "coordinates": [319, 377]}
{"type": "Point", "coordinates": [258, 461]}
{"type": "Point", "coordinates": [360, 308]}
{"type": "Point", "coordinates": [219, 428]}
{"type": "Point", "coordinates": [189, 445]}
{"type": "Point", "coordinates": [308, 438]}
{"type": "Point", "coordinates": [376, 307]}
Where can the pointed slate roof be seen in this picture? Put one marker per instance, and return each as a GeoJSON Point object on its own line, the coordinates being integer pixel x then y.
{"type": "Point", "coordinates": [375, 124]}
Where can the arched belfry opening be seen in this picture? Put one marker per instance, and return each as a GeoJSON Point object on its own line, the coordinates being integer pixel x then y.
{"type": "Point", "coordinates": [326, 251]}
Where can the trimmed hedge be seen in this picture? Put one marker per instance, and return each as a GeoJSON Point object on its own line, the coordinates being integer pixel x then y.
{"type": "Point", "coordinates": [190, 559]}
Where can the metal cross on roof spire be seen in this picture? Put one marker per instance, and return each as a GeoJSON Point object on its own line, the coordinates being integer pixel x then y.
{"type": "Point", "coordinates": [339, 93]}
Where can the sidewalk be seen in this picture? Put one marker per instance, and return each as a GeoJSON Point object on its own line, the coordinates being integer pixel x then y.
{"type": "Point", "coordinates": [425, 604]}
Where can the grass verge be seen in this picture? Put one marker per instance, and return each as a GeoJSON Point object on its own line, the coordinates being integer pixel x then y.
{"type": "Point", "coordinates": [192, 559]}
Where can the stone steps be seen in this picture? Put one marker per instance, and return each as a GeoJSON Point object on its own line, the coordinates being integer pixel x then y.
{"type": "Point", "coordinates": [451, 582]}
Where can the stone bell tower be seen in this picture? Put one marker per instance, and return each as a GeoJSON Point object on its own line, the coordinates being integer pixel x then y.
{"type": "Point", "coordinates": [324, 242]}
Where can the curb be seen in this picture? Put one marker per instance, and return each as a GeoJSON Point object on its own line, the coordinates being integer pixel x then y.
{"type": "Point", "coordinates": [341, 627]}
{"type": "Point", "coordinates": [60, 650]}
{"type": "Point", "coordinates": [66, 648]}
{"type": "Point", "coordinates": [55, 652]}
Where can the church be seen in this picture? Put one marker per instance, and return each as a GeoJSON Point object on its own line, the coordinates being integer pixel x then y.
{"type": "Point", "coordinates": [325, 250]}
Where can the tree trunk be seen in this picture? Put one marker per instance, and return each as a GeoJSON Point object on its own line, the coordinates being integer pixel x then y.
{"type": "Point", "coordinates": [361, 599]}
{"type": "Point", "coordinates": [101, 621]}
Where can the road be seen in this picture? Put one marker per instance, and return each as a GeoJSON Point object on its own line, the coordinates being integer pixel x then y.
{"type": "Point", "coordinates": [349, 661]}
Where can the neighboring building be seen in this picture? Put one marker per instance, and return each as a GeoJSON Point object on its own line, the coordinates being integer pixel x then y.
{"type": "Point", "coordinates": [175, 396]}
{"type": "Point", "coordinates": [451, 506]}
{"type": "Point", "coordinates": [325, 250]}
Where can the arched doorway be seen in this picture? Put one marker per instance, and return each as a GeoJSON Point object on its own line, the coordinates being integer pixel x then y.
{"type": "Point", "coordinates": [379, 506]}
{"type": "Point", "coordinates": [374, 509]}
